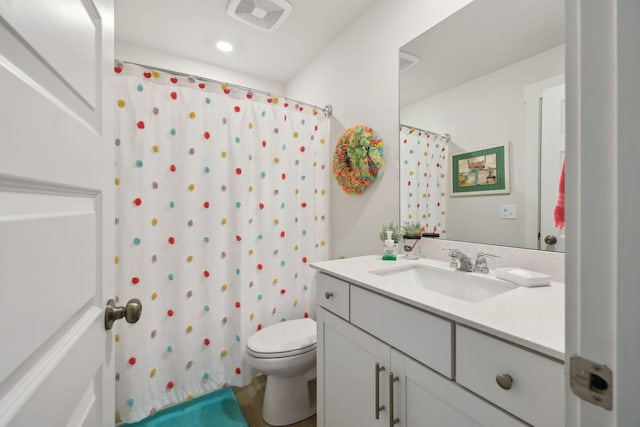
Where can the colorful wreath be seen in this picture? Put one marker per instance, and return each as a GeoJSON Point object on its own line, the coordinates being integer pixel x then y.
{"type": "Point", "coordinates": [357, 158]}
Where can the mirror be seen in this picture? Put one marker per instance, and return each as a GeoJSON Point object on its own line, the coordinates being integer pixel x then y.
{"type": "Point", "coordinates": [490, 75]}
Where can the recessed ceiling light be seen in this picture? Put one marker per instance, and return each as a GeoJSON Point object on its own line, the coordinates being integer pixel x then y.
{"type": "Point", "coordinates": [224, 46]}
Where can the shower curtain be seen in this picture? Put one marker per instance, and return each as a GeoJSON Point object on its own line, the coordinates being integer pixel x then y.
{"type": "Point", "coordinates": [424, 158]}
{"type": "Point", "coordinates": [221, 205]}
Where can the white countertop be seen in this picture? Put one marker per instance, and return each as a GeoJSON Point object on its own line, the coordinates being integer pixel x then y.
{"type": "Point", "coordinates": [530, 317]}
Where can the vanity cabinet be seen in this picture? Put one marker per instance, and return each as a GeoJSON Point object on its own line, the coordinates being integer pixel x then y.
{"type": "Point", "coordinates": [383, 360]}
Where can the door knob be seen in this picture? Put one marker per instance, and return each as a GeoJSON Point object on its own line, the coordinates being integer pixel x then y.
{"type": "Point", "coordinates": [550, 239]}
{"type": "Point", "coordinates": [131, 312]}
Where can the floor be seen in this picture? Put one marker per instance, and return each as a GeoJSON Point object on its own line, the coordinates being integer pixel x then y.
{"type": "Point", "coordinates": [250, 400]}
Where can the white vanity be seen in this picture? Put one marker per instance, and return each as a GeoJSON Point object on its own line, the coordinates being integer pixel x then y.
{"type": "Point", "coordinates": [398, 349]}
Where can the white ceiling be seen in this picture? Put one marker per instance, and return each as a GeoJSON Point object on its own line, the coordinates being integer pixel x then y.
{"type": "Point", "coordinates": [189, 28]}
{"type": "Point", "coordinates": [483, 37]}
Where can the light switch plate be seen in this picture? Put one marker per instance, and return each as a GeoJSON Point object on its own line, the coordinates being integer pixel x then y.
{"type": "Point", "coordinates": [508, 211]}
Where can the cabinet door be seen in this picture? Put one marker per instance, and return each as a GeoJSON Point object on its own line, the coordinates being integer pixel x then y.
{"type": "Point", "coordinates": [423, 398]}
{"type": "Point", "coordinates": [347, 374]}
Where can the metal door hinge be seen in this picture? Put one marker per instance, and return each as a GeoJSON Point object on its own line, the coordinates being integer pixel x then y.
{"type": "Point", "coordinates": [591, 381]}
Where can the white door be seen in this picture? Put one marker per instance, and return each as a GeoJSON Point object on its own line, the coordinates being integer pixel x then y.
{"type": "Point", "coordinates": [56, 212]}
{"type": "Point", "coordinates": [603, 203]}
{"type": "Point", "coordinates": [552, 149]}
{"type": "Point", "coordinates": [533, 152]}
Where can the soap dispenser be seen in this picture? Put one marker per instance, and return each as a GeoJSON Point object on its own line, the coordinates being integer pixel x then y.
{"type": "Point", "coordinates": [390, 249]}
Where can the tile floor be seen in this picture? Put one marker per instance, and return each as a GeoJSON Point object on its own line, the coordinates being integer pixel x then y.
{"type": "Point", "coordinates": [250, 400]}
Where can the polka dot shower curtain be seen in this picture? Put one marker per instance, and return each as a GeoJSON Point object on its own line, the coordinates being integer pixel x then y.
{"type": "Point", "coordinates": [221, 206]}
{"type": "Point", "coordinates": [423, 179]}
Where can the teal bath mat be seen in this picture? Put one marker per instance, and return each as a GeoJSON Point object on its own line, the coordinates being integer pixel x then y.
{"type": "Point", "coordinates": [217, 409]}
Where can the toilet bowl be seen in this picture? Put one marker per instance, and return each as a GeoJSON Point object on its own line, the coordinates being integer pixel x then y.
{"type": "Point", "coordinates": [286, 353]}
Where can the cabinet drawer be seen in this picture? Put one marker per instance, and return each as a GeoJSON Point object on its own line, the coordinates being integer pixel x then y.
{"type": "Point", "coordinates": [333, 294]}
{"type": "Point", "coordinates": [537, 388]}
{"type": "Point", "coordinates": [421, 335]}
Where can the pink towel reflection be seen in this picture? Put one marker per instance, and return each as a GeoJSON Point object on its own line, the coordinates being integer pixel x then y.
{"type": "Point", "coordinates": [558, 210]}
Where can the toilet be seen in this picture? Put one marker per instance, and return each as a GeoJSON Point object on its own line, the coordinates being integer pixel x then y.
{"type": "Point", "coordinates": [286, 353]}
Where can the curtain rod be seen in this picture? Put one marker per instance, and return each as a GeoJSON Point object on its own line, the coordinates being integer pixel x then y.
{"type": "Point", "coordinates": [327, 109]}
{"type": "Point", "coordinates": [446, 136]}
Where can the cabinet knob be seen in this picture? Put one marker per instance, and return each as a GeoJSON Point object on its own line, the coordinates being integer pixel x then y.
{"type": "Point", "coordinates": [504, 381]}
{"type": "Point", "coordinates": [328, 295]}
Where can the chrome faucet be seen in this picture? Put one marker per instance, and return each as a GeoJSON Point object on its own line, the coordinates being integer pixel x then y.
{"type": "Point", "coordinates": [460, 261]}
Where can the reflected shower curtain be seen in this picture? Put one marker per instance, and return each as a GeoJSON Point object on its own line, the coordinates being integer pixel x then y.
{"type": "Point", "coordinates": [221, 205]}
{"type": "Point", "coordinates": [424, 161]}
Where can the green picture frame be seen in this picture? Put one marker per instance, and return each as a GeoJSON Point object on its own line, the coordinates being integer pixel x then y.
{"type": "Point", "coordinates": [481, 172]}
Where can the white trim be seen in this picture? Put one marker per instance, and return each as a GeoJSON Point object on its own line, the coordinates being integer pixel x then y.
{"type": "Point", "coordinates": [602, 199]}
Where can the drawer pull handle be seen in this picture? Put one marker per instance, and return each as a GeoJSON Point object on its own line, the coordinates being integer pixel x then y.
{"type": "Point", "coordinates": [392, 419]}
{"type": "Point", "coordinates": [328, 295]}
{"type": "Point", "coordinates": [378, 407]}
{"type": "Point", "coordinates": [504, 381]}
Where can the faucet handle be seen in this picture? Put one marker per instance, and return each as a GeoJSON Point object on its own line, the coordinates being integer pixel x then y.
{"type": "Point", "coordinates": [481, 262]}
{"type": "Point", "coordinates": [453, 254]}
{"type": "Point", "coordinates": [484, 254]}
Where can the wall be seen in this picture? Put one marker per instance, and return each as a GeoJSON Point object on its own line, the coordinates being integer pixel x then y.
{"type": "Point", "coordinates": [146, 56]}
{"type": "Point", "coordinates": [358, 74]}
{"type": "Point", "coordinates": [484, 112]}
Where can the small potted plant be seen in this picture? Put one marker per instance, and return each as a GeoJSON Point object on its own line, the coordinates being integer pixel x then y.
{"type": "Point", "coordinates": [411, 233]}
{"type": "Point", "coordinates": [411, 230]}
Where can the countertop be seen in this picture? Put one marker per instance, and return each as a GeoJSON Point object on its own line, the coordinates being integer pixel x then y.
{"type": "Point", "coordinates": [530, 317]}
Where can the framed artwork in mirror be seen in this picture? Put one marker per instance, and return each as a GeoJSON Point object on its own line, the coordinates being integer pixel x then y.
{"type": "Point", "coordinates": [480, 172]}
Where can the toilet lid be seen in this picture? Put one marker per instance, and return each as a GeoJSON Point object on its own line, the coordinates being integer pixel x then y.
{"type": "Point", "coordinates": [284, 338]}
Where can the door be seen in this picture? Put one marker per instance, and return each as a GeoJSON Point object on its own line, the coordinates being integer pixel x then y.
{"type": "Point", "coordinates": [534, 239]}
{"type": "Point", "coordinates": [347, 359]}
{"type": "Point", "coordinates": [603, 201]}
{"type": "Point", "coordinates": [56, 212]}
{"type": "Point", "coordinates": [552, 149]}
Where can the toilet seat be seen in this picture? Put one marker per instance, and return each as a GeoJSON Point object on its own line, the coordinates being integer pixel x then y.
{"type": "Point", "coordinates": [284, 339]}
{"type": "Point", "coordinates": [297, 352]}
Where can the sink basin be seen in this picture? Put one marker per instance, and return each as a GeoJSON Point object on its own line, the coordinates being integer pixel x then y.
{"type": "Point", "coordinates": [471, 287]}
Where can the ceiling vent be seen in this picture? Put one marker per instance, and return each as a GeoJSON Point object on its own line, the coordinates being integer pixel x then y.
{"type": "Point", "coordinates": [407, 61]}
{"type": "Point", "coordinates": [265, 15]}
